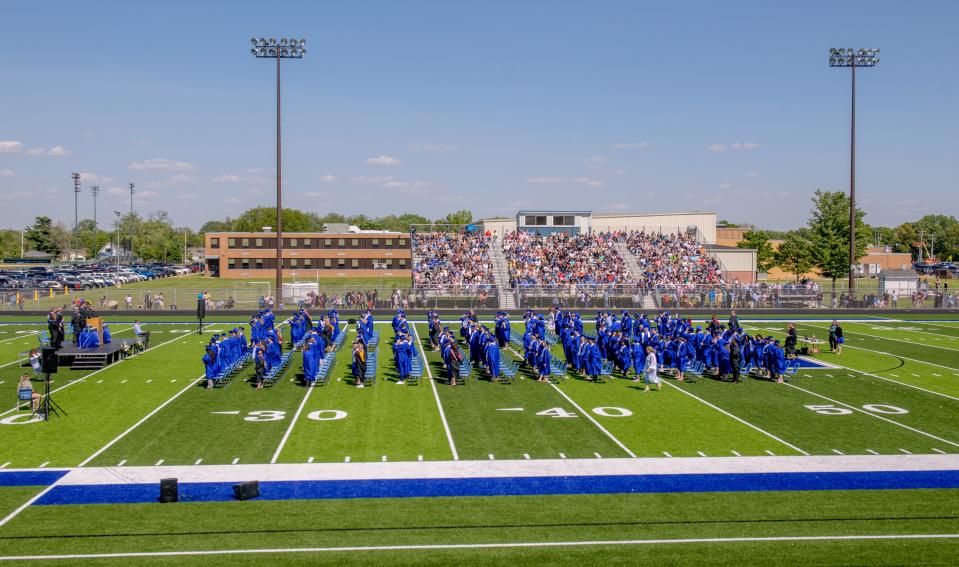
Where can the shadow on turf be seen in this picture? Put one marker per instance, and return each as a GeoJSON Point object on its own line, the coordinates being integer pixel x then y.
{"type": "Point", "coordinates": [488, 526]}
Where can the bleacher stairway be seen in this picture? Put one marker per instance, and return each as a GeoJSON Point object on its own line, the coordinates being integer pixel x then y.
{"type": "Point", "coordinates": [634, 271]}
{"type": "Point", "coordinates": [501, 276]}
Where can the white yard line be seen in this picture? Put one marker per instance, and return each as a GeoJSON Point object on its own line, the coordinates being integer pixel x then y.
{"type": "Point", "coordinates": [141, 422]}
{"type": "Point", "coordinates": [28, 503]}
{"type": "Point", "coordinates": [499, 545]}
{"type": "Point", "coordinates": [739, 419]}
{"type": "Point", "coordinates": [596, 423]}
{"type": "Point", "coordinates": [114, 365]}
{"type": "Point", "coordinates": [436, 395]}
{"type": "Point", "coordinates": [879, 417]}
{"type": "Point", "coordinates": [289, 429]}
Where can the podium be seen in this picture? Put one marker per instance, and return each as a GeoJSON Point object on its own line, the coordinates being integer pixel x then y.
{"type": "Point", "coordinates": [96, 323]}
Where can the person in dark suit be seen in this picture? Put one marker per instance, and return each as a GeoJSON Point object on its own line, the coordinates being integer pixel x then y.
{"type": "Point", "coordinates": [260, 372]}
{"type": "Point", "coordinates": [792, 338]}
{"type": "Point", "coordinates": [735, 359]}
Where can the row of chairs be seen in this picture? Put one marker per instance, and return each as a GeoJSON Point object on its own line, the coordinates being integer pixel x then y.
{"type": "Point", "coordinates": [226, 375]}
{"type": "Point", "coordinates": [325, 370]}
{"type": "Point", "coordinates": [275, 372]}
{"type": "Point", "coordinates": [372, 360]}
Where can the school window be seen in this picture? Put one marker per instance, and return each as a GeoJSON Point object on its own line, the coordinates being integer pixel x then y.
{"type": "Point", "coordinates": [375, 243]}
{"type": "Point", "coordinates": [327, 242]}
{"type": "Point", "coordinates": [354, 242]}
{"type": "Point", "coordinates": [258, 263]}
{"type": "Point", "coordinates": [307, 243]}
{"type": "Point", "coordinates": [389, 242]}
{"type": "Point", "coordinates": [401, 242]}
{"type": "Point", "coordinates": [231, 243]}
{"type": "Point", "coordinates": [565, 220]}
{"type": "Point", "coordinates": [245, 263]}
{"type": "Point", "coordinates": [341, 242]}
{"type": "Point", "coordinates": [293, 242]}
{"type": "Point", "coordinates": [245, 243]}
{"type": "Point", "coordinates": [307, 264]}
{"type": "Point", "coordinates": [389, 263]}
{"type": "Point", "coordinates": [294, 263]}
{"type": "Point", "coordinates": [355, 263]}
{"type": "Point", "coordinates": [341, 262]}
{"type": "Point", "coordinates": [532, 220]}
{"type": "Point", "coordinates": [258, 243]}
{"type": "Point", "coordinates": [231, 263]}
{"type": "Point", "coordinates": [327, 263]}
{"type": "Point", "coordinates": [214, 243]}
{"type": "Point", "coordinates": [402, 263]}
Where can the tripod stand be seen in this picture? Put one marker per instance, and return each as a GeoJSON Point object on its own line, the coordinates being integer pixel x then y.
{"type": "Point", "coordinates": [47, 405]}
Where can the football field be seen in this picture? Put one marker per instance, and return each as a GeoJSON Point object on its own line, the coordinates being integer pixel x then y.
{"type": "Point", "coordinates": [489, 471]}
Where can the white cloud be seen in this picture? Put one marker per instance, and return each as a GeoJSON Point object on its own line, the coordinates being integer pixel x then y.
{"type": "Point", "coordinates": [146, 194]}
{"type": "Point", "coordinates": [186, 196]}
{"type": "Point", "coordinates": [617, 207]}
{"type": "Point", "coordinates": [182, 179]}
{"type": "Point", "coordinates": [318, 195]}
{"type": "Point", "coordinates": [87, 177]}
{"type": "Point", "coordinates": [715, 199]}
{"type": "Point", "coordinates": [543, 179]}
{"type": "Point", "coordinates": [161, 164]}
{"type": "Point", "coordinates": [734, 146]}
{"type": "Point", "coordinates": [227, 178]}
{"type": "Point", "coordinates": [725, 185]}
{"type": "Point", "coordinates": [432, 147]}
{"type": "Point", "coordinates": [632, 146]}
{"type": "Point", "coordinates": [55, 151]}
{"type": "Point", "coordinates": [10, 146]}
{"type": "Point", "coordinates": [7, 173]}
{"type": "Point", "coordinates": [118, 191]}
{"type": "Point", "coordinates": [396, 184]}
{"type": "Point", "coordinates": [752, 174]}
{"type": "Point", "coordinates": [589, 181]}
{"type": "Point", "coordinates": [374, 179]}
{"type": "Point", "coordinates": [328, 178]}
{"type": "Point", "coordinates": [383, 160]}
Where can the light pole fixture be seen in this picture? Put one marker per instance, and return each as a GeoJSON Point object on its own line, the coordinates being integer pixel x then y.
{"type": "Point", "coordinates": [263, 48]}
{"type": "Point", "coordinates": [76, 213]}
{"type": "Point", "coordinates": [852, 58]}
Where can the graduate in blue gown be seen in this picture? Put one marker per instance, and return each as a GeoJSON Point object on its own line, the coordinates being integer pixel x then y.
{"type": "Point", "coordinates": [403, 358]}
{"type": "Point", "coordinates": [493, 358]}
{"type": "Point", "coordinates": [209, 365]}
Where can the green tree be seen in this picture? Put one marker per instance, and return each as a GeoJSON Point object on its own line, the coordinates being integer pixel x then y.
{"type": "Point", "coordinates": [758, 240]}
{"type": "Point", "coordinates": [794, 255]}
{"type": "Point", "coordinates": [459, 217]}
{"type": "Point", "coordinates": [9, 243]}
{"type": "Point", "coordinates": [40, 236]}
{"type": "Point", "coordinates": [294, 220]}
{"type": "Point", "coordinates": [829, 234]}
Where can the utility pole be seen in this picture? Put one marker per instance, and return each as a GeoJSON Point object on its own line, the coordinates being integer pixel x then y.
{"type": "Point", "coordinates": [96, 232]}
{"type": "Point", "coordinates": [76, 213]}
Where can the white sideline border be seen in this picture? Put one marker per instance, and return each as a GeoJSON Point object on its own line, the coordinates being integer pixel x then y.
{"type": "Point", "coordinates": [377, 470]}
{"type": "Point", "coordinates": [503, 545]}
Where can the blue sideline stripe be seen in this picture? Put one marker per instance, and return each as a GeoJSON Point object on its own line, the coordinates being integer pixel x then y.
{"type": "Point", "coordinates": [30, 478]}
{"type": "Point", "coordinates": [809, 363]}
{"type": "Point", "coordinates": [509, 486]}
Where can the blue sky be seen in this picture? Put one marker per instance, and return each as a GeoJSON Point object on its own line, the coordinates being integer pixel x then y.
{"type": "Point", "coordinates": [430, 107]}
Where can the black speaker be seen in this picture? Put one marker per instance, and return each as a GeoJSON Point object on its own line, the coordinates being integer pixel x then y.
{"type": "Point", "coordinates": [169, 490]}
{"type": "Point", "coordinates": [200, 308]}
{"type": "Point", "coordinates": [246, 490]}
{"type": "Point", "coordinates": [48, 360]}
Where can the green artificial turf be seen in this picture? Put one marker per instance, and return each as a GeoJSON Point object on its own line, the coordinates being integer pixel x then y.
{"type": "Point", "coordinates": [384, 522]}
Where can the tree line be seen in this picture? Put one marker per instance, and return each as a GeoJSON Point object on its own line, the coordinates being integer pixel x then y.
{"type": "Point", "coordinates": [824, 242]}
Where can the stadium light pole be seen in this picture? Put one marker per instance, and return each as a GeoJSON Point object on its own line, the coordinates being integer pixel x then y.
{"type": "Point", "coordinates": [131, 223]}
{"type": "Point", "coordinates": [852, 58]}
{"type": "Point", "coordinates": [76, 213]}
{"type": "Point", "coordinates": [96, 191]}
{"type": "Point", "coordinates": [116, 249]}
{"type": "Point", "coordinates": [263, 48]}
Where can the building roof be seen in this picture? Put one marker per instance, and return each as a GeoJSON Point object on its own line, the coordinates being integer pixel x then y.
{"type": "Point", "coordinates": [899, 274]}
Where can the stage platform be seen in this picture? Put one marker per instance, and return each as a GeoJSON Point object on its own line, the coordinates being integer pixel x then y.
{"type": "Point", "coordinates": [91, 358]}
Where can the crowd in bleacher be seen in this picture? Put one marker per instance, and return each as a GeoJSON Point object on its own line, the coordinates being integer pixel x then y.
{"type": "Point", "coordinates": [442, 258]}
{"type": "Point", "coordinates": [670, 259]}
{"type": "Point", "coordinates": [560, 259]}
